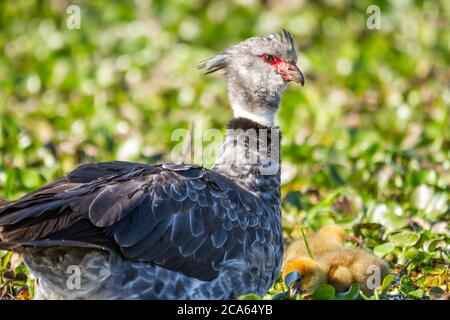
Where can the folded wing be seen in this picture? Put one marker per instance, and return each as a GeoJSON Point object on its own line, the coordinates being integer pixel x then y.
{"type": "Point", "coordinates": [181, 217]}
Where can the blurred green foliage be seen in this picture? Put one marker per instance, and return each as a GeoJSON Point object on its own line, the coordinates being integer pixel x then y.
{"type": "Point", "coordinates": [365, 142]}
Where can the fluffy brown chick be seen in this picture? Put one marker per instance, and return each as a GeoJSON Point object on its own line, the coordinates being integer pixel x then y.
{"type": "Point", "coordinates": [333, 263]}
{"type": "Point", "coordinates": [346, 266]}
{"type": "Point", "coordinates": [329, 238]}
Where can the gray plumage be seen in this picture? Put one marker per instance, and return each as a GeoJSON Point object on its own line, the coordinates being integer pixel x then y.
{"type": "Point", "coordinates": [137, 231]}
{"type": "Point", "coordinates": [255, 87]}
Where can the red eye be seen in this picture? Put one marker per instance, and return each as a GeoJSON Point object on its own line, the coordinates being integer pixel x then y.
{"type": "Point", "coordinates": [268, 58]}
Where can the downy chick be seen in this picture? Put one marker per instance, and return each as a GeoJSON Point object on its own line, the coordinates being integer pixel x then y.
{"type": "Point", "coordinates": [329, 238]}
{"type": "Point", "coordinates": [333, 263]}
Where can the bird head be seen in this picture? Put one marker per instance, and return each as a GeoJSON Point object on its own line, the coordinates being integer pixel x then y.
{"type": "Point", "coordinates": [312, 275]}
{"type": "Point", "coordinates": [257, 72]}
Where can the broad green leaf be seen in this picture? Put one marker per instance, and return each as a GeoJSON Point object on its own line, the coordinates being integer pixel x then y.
{"type": "Point", "coordinates": [417, 293]}
{"type": "Point", "coordinates": [387, 281]}
{"type": "Point", "coordinates": [6, 258]}
{"type": "Point", "coordinates": [21, 269]}
{"type": "Point", "coordinates": [404, 238]}
{"type": "Point", "coordinates": [3, 253]}
{"type": "Point", "coordinates": [383, 249]}
{"type": "Point", "coordinates": [387, 216]}
{"type": "Point", "coordinates": [431, 245]}
{"type": "Point", "coordinates": [351, 294]}
{"type": "Point", "coordinates": [324, 292]}
{"type": "Point", "coordinates": [406, 285]}
{"type": "Point", "coordinates": [414, 254]}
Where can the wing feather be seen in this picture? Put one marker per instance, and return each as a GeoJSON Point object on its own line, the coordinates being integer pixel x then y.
{"type": "Point", "coordinates": [184, 218]}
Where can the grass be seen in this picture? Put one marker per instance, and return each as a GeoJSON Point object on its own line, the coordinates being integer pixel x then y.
{"type": "Point", "coordinates": [365, 142]}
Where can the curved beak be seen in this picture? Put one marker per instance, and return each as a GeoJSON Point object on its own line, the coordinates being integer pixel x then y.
{"type": "Point", "coordinates": [290, 72]}
{"type": "Point", "coordinates": [293, 73]}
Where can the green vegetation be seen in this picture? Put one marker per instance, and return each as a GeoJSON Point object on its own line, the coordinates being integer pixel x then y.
{"type": "Point", "coordinates": [365, 142]}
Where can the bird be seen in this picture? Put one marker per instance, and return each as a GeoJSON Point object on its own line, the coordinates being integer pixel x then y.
{"type": "Point", "coordinates": [124, 230]}
{"type": "Point", "coordinates": [296, 258]}
{"type": "Point", "coordinates": [331, 262]}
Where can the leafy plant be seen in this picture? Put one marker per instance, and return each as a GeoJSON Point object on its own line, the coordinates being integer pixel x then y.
{"type": "Point", "coordinates": [365, 142]}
